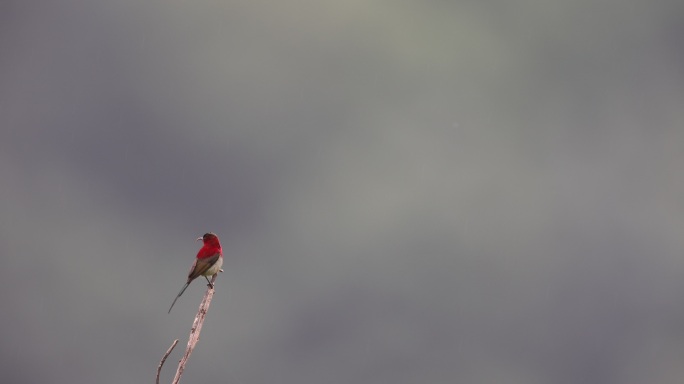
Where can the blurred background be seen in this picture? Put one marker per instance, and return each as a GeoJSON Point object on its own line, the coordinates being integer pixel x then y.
{"type": "Point", "coordinates": [406, 192]}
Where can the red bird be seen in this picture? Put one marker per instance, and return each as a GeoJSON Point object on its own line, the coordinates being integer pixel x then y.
{"type": "Point", "coordinates": [208, 262]}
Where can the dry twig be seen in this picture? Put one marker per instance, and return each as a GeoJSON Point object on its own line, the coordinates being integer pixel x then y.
{"type": "Point", "coordinates": [161, 363]}
{"type": "Point", "coordinates": [195, 330]}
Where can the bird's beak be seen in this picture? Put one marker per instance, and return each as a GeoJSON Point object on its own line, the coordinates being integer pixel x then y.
{"type": "Point", "coordinates": [200, 238]}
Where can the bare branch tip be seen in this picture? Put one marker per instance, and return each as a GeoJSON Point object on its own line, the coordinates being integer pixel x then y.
{"type": "Point", "coordinates": [166, 355]}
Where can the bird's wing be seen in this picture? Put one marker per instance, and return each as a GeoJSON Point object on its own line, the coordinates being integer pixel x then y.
{"type": "Point", "coordinates": [201, 265]}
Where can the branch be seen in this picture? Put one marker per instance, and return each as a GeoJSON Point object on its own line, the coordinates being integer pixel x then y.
{"type": "Point", "coordinates": [161, 363]}
{"type": "Point", "coordinates": [195, 330]}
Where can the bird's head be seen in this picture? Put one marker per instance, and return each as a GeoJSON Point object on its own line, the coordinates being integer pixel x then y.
{"type": "Point", "coordinates": [210, 238]}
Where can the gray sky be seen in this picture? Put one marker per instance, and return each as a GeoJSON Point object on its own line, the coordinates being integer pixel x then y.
{"type": "Point", "coordinates": [406, 192]}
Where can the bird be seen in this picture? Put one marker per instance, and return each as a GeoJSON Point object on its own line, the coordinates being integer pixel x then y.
{"type": "Point", "coordinates": [208, 262]}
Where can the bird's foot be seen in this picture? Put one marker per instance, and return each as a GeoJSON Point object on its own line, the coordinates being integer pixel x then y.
{"type": "Point", "coordinates": [210, 285]}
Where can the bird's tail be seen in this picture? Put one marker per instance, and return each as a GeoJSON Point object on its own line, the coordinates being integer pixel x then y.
{"type": "Point", "coordinates": [179, 295]}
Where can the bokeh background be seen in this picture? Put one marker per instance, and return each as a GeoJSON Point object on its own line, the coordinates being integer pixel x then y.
{"type": "Point", "coordinates": [407, 192]}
